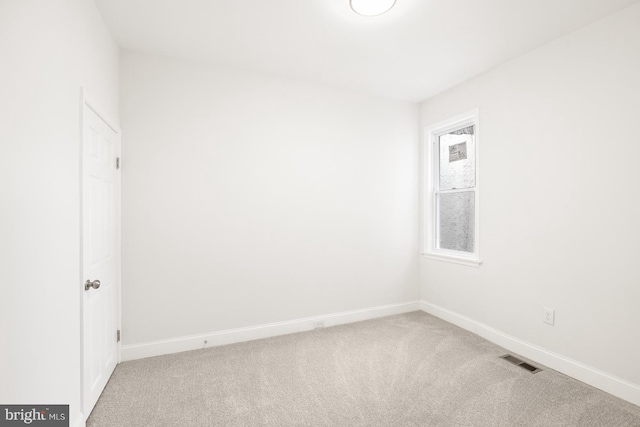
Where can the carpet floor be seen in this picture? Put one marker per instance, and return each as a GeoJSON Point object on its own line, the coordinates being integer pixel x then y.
{"type": "Point", "coordinates": [406, 370]}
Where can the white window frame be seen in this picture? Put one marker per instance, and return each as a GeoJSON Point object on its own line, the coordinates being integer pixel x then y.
{"type": "Point", "coordinates": [430, 168]}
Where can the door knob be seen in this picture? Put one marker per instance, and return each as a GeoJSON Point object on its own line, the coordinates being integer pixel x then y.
{"type": "Point", "coordinates": [89, 284]}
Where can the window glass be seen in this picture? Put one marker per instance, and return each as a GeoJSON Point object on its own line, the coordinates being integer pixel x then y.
{"type": "Point", "coordinates": [457, 164]}
{"type": "Point", "coordinates": [455, 223]}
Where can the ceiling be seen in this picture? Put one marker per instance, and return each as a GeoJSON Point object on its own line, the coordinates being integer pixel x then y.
{"type": "Point", "coordinates": [419, 48]}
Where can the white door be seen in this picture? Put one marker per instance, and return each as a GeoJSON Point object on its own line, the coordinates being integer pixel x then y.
{"type": "Point", "coordinates": [100, 144]}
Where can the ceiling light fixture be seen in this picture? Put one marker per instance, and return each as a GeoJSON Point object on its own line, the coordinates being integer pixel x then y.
{"type": "Point", "coordinates": [371, 7]}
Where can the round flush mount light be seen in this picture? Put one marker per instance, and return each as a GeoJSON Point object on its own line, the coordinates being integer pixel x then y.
{"type": "Point", "coordinates": [371, 7]}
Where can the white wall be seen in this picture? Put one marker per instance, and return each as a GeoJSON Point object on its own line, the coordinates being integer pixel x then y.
{"type": "Point", "coordinates": [249, 200]}
{"type": "Point", "coordinates": [49, 49]}
{"type": "Point", "coordinates": [559, 198]}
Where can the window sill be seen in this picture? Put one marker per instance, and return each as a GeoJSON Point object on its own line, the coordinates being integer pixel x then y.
{"type": "Point", "coordinates": [471, 262]}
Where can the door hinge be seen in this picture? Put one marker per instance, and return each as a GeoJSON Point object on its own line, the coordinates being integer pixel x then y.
{"type": "Point", "coordinates": [118, 335]}
{"type": "Point", "coordinates": [117, 162]}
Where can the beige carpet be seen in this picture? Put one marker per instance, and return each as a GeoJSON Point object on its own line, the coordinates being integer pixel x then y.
{"type": "Point", "coordinates": [405, 370]}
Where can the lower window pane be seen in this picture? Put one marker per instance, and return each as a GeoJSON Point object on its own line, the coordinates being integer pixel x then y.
{"type": "Point", "coordinates": [456, 218]}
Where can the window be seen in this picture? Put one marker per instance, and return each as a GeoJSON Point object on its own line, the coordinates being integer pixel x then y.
{"type": "Point", "coordinates": [452, 197]}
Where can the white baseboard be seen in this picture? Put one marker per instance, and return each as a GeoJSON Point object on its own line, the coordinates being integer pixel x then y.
{"type": "Point", "coordinates": [80, 421]}
{"type": "Point", "coordinates": [230, 336]}
{"type": "Point", "coordinates": [587, 374]}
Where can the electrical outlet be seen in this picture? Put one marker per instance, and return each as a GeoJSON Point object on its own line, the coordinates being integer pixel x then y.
{"type": "Point", "coordinates": [549, 315]}
{"type": "Point", "coordinates": [318, 324]}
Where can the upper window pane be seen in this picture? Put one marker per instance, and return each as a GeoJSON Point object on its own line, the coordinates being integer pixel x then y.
{"type": "Point", "coordinates": [457, 159]}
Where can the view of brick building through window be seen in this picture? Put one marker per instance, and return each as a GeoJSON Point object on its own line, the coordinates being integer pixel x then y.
{"type": "Point", "coordinates": [456, 190]}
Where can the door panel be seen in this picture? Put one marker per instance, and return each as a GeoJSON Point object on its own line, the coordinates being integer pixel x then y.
{"type": "Point", "coordinates": [99, 254]}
